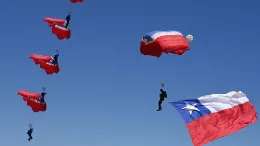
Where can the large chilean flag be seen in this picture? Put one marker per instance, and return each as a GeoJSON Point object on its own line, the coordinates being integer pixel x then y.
{"type": "Point", "coordinates": [217, 115]}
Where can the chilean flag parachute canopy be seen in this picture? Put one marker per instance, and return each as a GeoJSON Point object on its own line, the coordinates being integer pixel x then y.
{"type": "Point", "coordinates": [76, 1]}
{"type": "Point", "coordinates": [45, 63]}
{"type": "Point", "coordinates": [58, 28]}
{"type": "Point", "coordinates": [31, 99]}
{"type": "Point", "coordinates": [157, 42]}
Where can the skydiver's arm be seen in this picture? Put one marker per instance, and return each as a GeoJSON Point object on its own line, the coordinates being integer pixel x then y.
{"type": "Point", "coordinates": [57, 52]}
{"type": "Point", "coordinates": [43, 90]}
{"type": "Point", "coordinates": [162, 83]}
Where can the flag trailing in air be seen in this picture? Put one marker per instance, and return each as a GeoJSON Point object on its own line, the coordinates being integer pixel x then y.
{"type": "Point", "coordinates": [214, 116]}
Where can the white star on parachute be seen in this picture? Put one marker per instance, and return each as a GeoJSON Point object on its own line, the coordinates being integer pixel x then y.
{"type": "Point", "coordinates": [190, 107]}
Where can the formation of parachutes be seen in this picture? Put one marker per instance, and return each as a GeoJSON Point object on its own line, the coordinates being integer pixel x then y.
{"type": "Point", "coordinates": [62, 31]}
{"type": "Point", "coordinates": [152, 44]}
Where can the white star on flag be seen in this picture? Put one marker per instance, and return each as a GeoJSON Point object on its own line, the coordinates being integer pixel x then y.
{"type": "Point", "coordinates": [190, 107]}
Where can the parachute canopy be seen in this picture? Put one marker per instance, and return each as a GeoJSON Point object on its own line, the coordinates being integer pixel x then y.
{"type": "Point", "coordinates": [32, 100]}
{"type": "Point", "coordinates": [40, 59]}
{"type": "Point", "coordinates": [54, 21]}
{"type": "Point", "coordinates": [45, 63]}
{"type": "Point", "coordinates": [57, 26]}
{"type": "Point", "coordinates": [76, 1]}
{"type": "Point", "coordinates": [157, 42]}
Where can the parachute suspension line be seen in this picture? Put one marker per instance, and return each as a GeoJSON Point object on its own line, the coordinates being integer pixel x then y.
{"type": "Point", "coordinates": [70, 5]}
{"type": "Point", "coordinates": [32, 118]}
{"type": "Point", "coordinates": [30, 126]}
{"type": "Point", "coordinates": [44, 84]}
{"type": "Point", "coordinates": [158, 72]}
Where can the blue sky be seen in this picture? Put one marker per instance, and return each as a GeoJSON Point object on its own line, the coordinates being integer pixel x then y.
{"type": "Point", "coordinates": [106, 93]}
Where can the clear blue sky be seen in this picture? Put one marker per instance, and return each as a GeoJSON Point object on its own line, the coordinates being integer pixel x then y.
{"type": "Point", "coordinates": [106, 93]}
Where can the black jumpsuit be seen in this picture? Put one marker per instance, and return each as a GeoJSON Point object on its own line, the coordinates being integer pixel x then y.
{"type": "Point", "coordinates": [163, 95]}
{"type": "Point", "coordinates": [55, 59]}
{"type": "Point", "coordinates": [67, 21]}
{"type": "Point", "coordinates": [30, 134]}
{"type": "Point", "coordinates": [41, 100]}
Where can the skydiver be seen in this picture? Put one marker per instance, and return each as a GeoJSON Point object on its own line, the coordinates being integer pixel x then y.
{"type": "Point", "coordinates": [67, 22]}
{"type": "Point", "coordinates": [163, 95]}
{"type": "Point", "coordinates": [41, 100]}
{"type": "Point", "coordinates": [55, 58]}
{"type": "Point", "coordinates": [29, 132]}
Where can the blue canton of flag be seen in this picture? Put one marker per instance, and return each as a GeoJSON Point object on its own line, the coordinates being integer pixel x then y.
{"type": "Point", "coordinates": [147, 38]}
{"type": "Point", "coordinates": [190, 109]}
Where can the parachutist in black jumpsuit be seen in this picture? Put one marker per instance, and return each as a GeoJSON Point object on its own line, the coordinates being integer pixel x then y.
{"type": "Point", "coordinates": [30, 131]}
{"type": "Point", "coordinates": [41, 100]}
{"type": "Point", "coordinates": [67, 21]}
{"type": "Point", "coordinates": [55, 58]}
{"type": "Point", "coordinates": [163, 95]}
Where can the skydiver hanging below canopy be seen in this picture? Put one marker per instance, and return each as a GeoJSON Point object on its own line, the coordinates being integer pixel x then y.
{"type": "Point", "coordinates": [55, 58]}
{"type": "Point", "coordinates": [29, 132]}
{"type": "Point", "coordinates": [41, 100]}
{"type": "Point", "coordinates": [163, 95]}
{"type": "Point", "coordinates": [67, 22]}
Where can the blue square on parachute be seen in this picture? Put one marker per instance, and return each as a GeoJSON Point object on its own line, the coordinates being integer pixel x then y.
{"type": "Point", "coordinates": [147, 38]}
{"type": "Point", "coordinates": [190, 109]}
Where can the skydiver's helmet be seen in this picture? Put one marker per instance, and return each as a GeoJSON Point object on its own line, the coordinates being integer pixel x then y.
{"type": "Point", "coordinates": [189, 38]}
{"type": "Point", "coordinates": [162, 84]}
{"type": "Point", "coordinates": [30, 126]}
{"type": "Point", "coordinates": [161, 90]}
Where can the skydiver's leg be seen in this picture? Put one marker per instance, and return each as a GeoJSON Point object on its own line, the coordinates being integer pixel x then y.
{"type": "Point", "coordinates": [55, 59]}
{"type": "Point", "coordinates": [67, 24]}
{"type": "Point", "coordinates": [53, 62]}
{"type": "Point", "coordinates": [30, 137]}
{"type": "Point", "coordinates": [160, 105]}
{"type": "Point", "coordinates": [41, 100]}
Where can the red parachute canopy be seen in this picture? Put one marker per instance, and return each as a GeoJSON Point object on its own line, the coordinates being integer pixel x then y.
{"type": "Point", "coordinates": [50, 68]}
{"type": "Point", "coordinates": [54, 21]}
{"type": "Point", "coordinates": [45, 63]}
{"type": "Point", "coordinates": [32, 100]}
{"type": "Point", "coordinates": [61, 32]}
{"type": "Point", "coordinates": [40, 59]}
{"type": "Point", "coordinates": [58, 28]}
{"type": "Point", "coordinates": [157, 42]}
{"type": "Point", "coordinates": [75, 1]}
